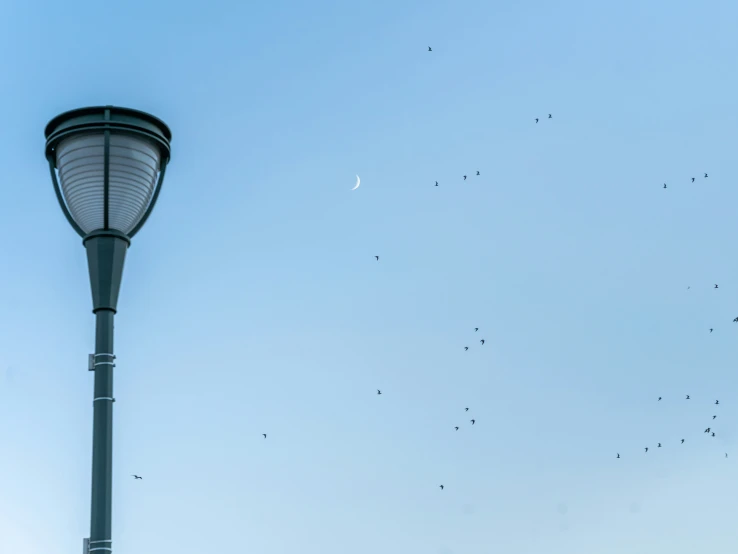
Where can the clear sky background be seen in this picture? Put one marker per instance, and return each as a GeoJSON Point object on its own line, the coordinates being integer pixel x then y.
{"type": "Point", "coordinates": [252, 302]}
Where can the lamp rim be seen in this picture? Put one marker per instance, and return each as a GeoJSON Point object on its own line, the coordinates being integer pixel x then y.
{"type": "Point", "coordinates": [111, 118]}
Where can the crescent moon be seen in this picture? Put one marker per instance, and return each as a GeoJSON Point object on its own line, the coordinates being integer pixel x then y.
{"type": "Point", "coordinates": [358, 182]}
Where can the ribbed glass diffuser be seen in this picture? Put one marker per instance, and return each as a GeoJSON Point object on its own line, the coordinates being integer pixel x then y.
{"type": "Point", "coordinates": [110, 163]}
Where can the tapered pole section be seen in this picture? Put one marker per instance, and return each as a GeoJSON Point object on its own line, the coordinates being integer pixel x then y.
{"type": "Point", "coordinates": [106, 252]}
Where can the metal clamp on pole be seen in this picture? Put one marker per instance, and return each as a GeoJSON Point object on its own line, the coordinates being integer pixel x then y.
{"type": "Point", "coordinates": [91, 363]}
{"type": "Point", "coordinates": [111, 356]}
{"type": "Point", "coordinates": [100, 548]}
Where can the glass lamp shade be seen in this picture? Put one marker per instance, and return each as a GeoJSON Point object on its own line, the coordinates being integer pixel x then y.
{"type": "Point", "coordinates": [107, 164]}
{"type": "Point", "coordinates": [133, 170]}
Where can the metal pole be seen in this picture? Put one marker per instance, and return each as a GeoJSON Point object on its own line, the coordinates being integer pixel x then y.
{"type": "Point", "coordinates": [102, 435]}
{"type": "Point", "coordinates": [106, 252]}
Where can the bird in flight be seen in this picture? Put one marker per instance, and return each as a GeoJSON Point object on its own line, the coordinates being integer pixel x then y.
{"type": "Point", "coordinates": [647, 449]}
{"type": "Point", "coordinates": [436, 183]}
{"type": "Point", "coordinates": [664, 185]}
{"type": "Point", "coordinates": [477, 172]}
{"type": "Point", "coordinates": [713, 417]}
{"type": "Point", "coordinates": [430, 49]}
{"type": "Point", "coordinates": [136, 477]}
{"type": "Point", "coordinates": [711, 330]}
{"type": "Point", "coordinates": [466, 409]}
{"type": "Point", "coordinates": [379, 391]}
{"type": "Point", "coordinates": [466, 348]}
{"type": "Point", "coordinates": [687, 397]}
{"type": "Point", "coordinates": [659, 399]}
{"type": "Point", "coordinates": [482, 341]}
{"type": "Point", "coordinates": [618, 455]}
{"type": "Point", "coordinates": [735, 320]}
{"type": "Point", "coordinates": [377, 257]}
{"type": "Point", "coordinates": [693, 179]}
{"type": "Point", "coordinates": [464, 177]}
{"type": "Point", "coordinates": [477, 328]}
{"type": "Point", "coordinates": [726, 454]}
{"type": "Point", "coordinates": [456, 428]}
{"type": "Point", "coordinates": [472, 421]}
{"type": "Point", "coordinates": [441, 486]}
{"type": "Point", "coordinates": [659, 445]}
{"type": "Point", "coordinates": [682, 441]}
{"type": "Point", "coordinates": [707, 430]}
{"type": "Point", "coordinates": [705, 175]}
{"type": "Point", "coordinates": [717, 402]}
{"type": "Point", "coordinates": [536, 120]}
{"type": "Point", "coordinates": [549, 116]}
{"type": "Point", "coordinates": [713, 433]}
{"type": "Point", "coordinates": [716, 286]}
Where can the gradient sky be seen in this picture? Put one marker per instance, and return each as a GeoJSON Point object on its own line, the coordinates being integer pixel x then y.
{"type": "Point", "coordinates": [252, 302]}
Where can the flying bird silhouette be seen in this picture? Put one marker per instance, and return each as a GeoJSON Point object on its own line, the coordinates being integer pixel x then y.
{"type": "Point", "coordinates": [379, 391]}
{"type": "Point", "coordinates": [659, 399]}
{"type": "Point", "coordinates": [430, 49]}
{"type": "Point", "coordinates": [659, 446]}
{"type": "Point", "coordinates": [456, 428]}
{"type": "Point", "coordinates": [466, 409]}
{"type": "Point", "coordinates": [436, 183]}
{"type": "Point", "coordinates": [707, 430]}
{"type": "Point", "coordinates": [464, 177]}
{"type": "Point", "coordinates": [693, 179]}
{"type": "Point", "coordinates": [377, 257]}
{"type": "Point", "coordinates": [549, 116]}
{"type": "Point", "coordinates": [713, 417]}
{"type": "Point", "coordinates": [264, 435]}
{"type": "Point", "coordinates": [687, 397]}
{"type": "Point", "coordinates": [705, 175]}
{"type": "Point", "coordinates": [482, 341]}
{"type": "Point", "coordinates": [735, 320]}
{"type": "Point", "coordinates": [477, 172]}
{"type": "Point", "coordinates": [472, 421]}
{"type": "Point", "coordinates": [711, 330]}
{"type": "Point", "coordinates": [618, 455]}
{"type": "Point", "coordinates": [664, 185]}
{"type": "Point", "coordinates": [717, 402]}
{"type": "Point", "coordinates": [716, 286]}
{"type": "Point", "coordinates": [682, 441]}
{"type": "Point", "coordinates": [441, 486]}
{"type": "Point", "coordinates": [136, 477]}
{"type": "Point", "coordinates": [713, 434]}
{"type": "Point", "coordinates": [536, 120]}
{"type": "Point", "coordinates": [726, 454]}
{"type": "Point", "coordinates": [477, 328]}
{"type": "Point", "coordinates": [647, 449]}
{"type": "Point", "coordinates": [466, 348]}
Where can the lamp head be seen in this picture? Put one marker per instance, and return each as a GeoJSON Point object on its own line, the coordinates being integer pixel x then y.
{"type": "Point", "coordinates": [110, 163]}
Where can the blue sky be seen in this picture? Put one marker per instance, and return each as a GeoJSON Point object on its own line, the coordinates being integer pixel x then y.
{"type": "Point", "coordinates": [252, 302]}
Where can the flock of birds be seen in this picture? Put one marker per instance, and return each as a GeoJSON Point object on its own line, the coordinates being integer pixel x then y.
{"type": "Point", "coordinates": [665, 183]}
{"type": "Point", "coordinates": [735, 320]}
{"type": "Point", "coordinates": [437, 185]}
{"type": "Point", "coordinates": [476, 329]}
{"type": "Point", "coordinates": [708, 431]}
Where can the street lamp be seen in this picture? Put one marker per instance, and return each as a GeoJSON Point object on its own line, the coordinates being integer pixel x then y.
{"type": "Point", "coordinates": [110, 163]}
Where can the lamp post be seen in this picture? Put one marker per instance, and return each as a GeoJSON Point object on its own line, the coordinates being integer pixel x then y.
{"type": "Point", "coordinates": [110, 163]}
